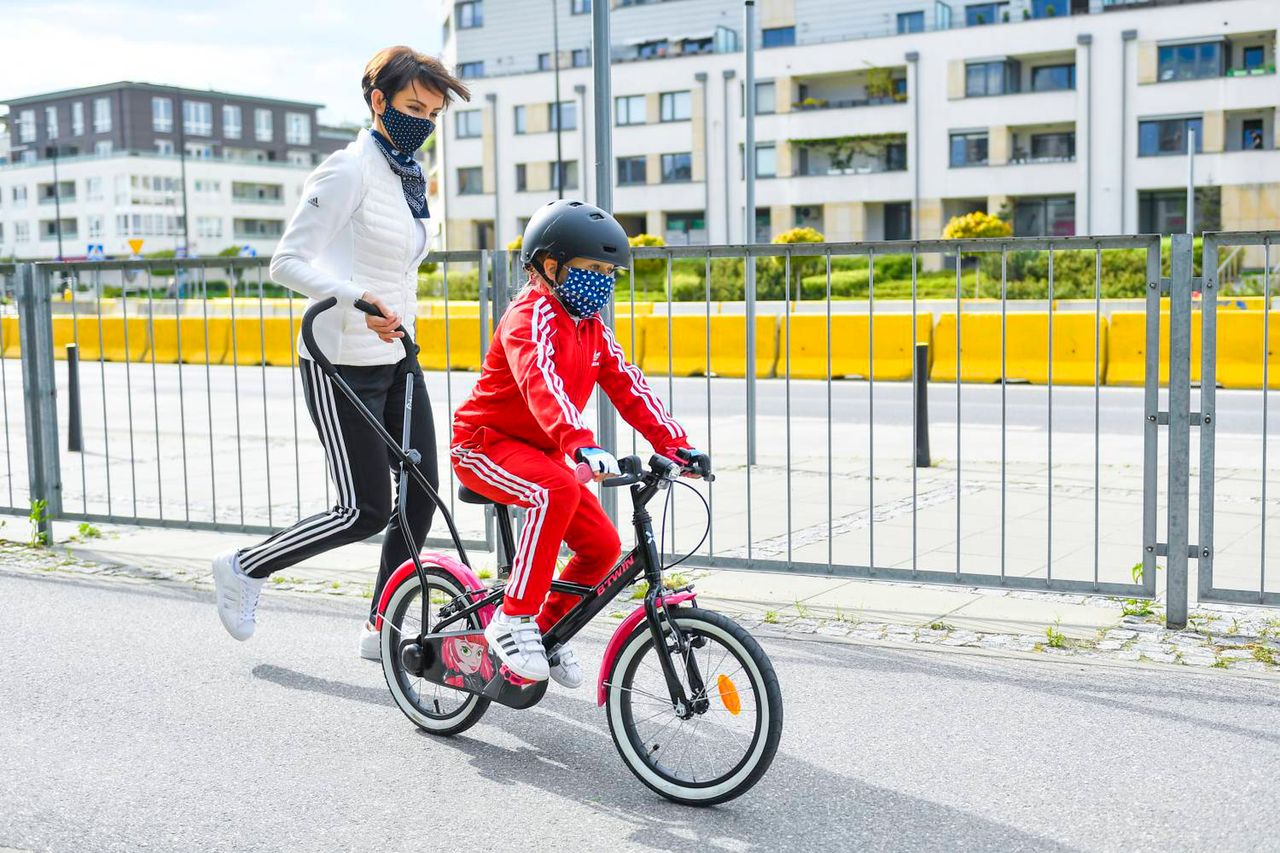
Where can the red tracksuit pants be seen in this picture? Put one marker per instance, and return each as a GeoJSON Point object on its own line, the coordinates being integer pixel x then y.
{"type": "Point", "coordinates": [560, 509]}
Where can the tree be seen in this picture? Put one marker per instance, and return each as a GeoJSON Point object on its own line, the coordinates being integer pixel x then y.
{"type": "Point", "coordinates": [648, 266]}
{"type": "Point", "coordinates": [976, 224]}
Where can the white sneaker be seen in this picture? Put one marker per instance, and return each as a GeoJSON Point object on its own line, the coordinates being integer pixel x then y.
{"type": "Point", "coordinates": [236, 595]}
{"type": "Point", "coordinates": [566, 671]}
{"type": "Point", "coordinates": [517, 642]}
{"type": "Point", "coordinates": [370, 643]}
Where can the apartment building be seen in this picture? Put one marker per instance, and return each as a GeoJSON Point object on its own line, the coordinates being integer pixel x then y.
{"type": "Point", "coordinates": [104, 164]}
{"type": "Point", "coordinates": [880, 119]}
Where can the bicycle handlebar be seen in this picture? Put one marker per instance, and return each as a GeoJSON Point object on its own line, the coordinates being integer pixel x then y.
{"type": "Point", "coordinates": [317, 355]}
{"type": "Point", "coordinates": [633, 471]}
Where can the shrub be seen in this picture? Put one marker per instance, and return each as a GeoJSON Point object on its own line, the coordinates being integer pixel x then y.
{"type": "Point", "coordinates": [976, 224]}
{"type": "Point", "coordinates": [649, 266]}
{"type": "Point", "coordinates": [463, 284]}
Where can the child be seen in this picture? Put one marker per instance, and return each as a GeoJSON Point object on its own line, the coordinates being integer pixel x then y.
{"type": "Point", "coordinates": [511, 436]}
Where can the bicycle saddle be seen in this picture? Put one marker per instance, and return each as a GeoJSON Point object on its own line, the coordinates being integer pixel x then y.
{"type": "Point", "coordinates": [469, 497]}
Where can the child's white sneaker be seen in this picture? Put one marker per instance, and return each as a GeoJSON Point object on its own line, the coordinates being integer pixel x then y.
{"type": "Point", "coordinates": [370, 643]}
{"type": "Point", "coordinates": [566, 671]}
{"type": "Point", "coordinates": [236, 595]}
{"type": "Point", "coordinates": [517, 642]}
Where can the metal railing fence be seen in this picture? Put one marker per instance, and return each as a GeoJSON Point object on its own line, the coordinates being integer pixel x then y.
{"type": "Point", "coordinates": [806, 387]}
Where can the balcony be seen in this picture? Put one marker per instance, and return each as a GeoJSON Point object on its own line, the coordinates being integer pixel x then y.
{"type": "Point", "coordinates": [872, 87]}
{"type": "Point", "coordinates": [849, 155]}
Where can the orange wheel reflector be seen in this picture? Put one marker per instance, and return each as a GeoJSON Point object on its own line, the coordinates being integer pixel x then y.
{"type": "Point", "coordinates": [729, 695]}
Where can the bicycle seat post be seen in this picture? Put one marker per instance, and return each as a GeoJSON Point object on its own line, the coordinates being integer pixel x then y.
{"type": "Point", "coordinates": [506, 540]}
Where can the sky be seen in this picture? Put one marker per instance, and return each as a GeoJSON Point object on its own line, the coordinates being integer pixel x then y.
{"type": "Point", "coordinates": [305, 51]}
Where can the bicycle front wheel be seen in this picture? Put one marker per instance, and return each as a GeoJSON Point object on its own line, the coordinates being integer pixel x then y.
{"type": "Point", "coordinates": [723, 744]}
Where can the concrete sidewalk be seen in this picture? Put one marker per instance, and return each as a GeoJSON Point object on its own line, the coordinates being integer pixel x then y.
{"type": "Point", "coordinates": [1083, 628]}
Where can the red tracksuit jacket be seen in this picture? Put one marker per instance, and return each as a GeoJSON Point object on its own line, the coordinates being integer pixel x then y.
{"type": "Point", "coordinates": [540, 371]}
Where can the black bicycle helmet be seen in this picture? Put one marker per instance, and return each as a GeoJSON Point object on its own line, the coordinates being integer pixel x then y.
{"type": "Point", "coordinates": [567, 229]}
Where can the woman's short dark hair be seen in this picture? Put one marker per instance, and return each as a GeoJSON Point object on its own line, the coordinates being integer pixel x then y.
{"type": "Point", "coordinates": [395, 68]}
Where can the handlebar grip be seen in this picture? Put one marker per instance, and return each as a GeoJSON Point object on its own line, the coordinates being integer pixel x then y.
{"type": "Point", "coordinates": [410, 348]}
{"type": "Point", "coordinates": [368, 308]}
{"type": "Point", "coordinates": [309, 336]}
{"type": "Point", "coordinates": [582, 471]}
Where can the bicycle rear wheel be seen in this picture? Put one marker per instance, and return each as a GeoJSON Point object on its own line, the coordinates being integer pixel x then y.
{"type": "Point", "coordinates": [433, 707]}
{"type": "Point", "coordinates": [724, 745]}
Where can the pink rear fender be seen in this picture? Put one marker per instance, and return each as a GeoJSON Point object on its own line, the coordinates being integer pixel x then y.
{"type": "Point", "coordinates": [459, 570]}
{"type": "Point", "coordinates": [634, 618]}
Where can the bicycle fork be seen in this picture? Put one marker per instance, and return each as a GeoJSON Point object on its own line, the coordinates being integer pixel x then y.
{"type": "Point", "coordinates": [684, 706]}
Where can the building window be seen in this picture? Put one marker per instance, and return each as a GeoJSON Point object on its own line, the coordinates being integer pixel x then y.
{"type": "Point", "coordinates": [1045, 217]}
{"type": "Point", "coordinates": [49, 229]}
{"type": "Point", "coordinates": [983, 13]}
{"type": "Point", "coordinates": [199, 150]}
{"type": "Point", "coordinates": [1190, 61]}
{"type": "Point", "coordinates": [28, 156]}
{"type": "Point", "coordinates": [20, 196]}
{"type": "Point", "coordinates": [264, 129]}
{"type": "Point", "coordinates": [162, 115]}
{"type": "Point", "coordinates": [1053, 147]}
{"type": "Point", "coordinates": [677, 168]}
{"type": "Point", "coordinates": [685, 228]}
{"type": "Point", "coordinates": [21, 232]}
{"type": "Point", "coordinates": [1168, 136]}
{"type": "Point", "coordinates": [766, 160]}
{"type": "Point", "coordinates": [470, 15]}
{"type": "Point", "coordinates": [93, 189]}
{"type": "Point", "coordinates": [631, 170]}
{"type": "Point", "coordinates": [581, 57]}
{"type": "Point", "coordinates": [77, 119]}
{"type": "Point", "coordinates": [164, 147]}
{"type": "Point", "coordinates": [232, 122]}
{"type": "Point", "coordinates": [911, 22]}
{"type": "Point", "coordinates": [580, 7]}
{"type": "Point", "coordinates": [629, 109]}
{"type": "Point", "coordinates": [1251, 135]}
{"type": "Point", "coordinates": [1050, 8]}
{"type": "Point", "coordinates": [299, 158]}
{"type": "Point", "coordinates": [766, 98]}
{"type": "Point", "coordinates": [1053, 78]}
{"type": "Point", "coordinates": [197, 118]}
{"type": "Point", "coordinates": [252, 229]}
{"type": "Point", "coordinates": [677, 106]}
{"type": "Point", "coordinates": [983, 79]}
{"type": "Point", "coordinates": [1253, 57]}
{"type": "Point", "coordinates": [522, 177]}
{"type": "Point", "coordinates": [778, 37]}
{"type": "Point", "coordinates": [27, 126]}
{"type": "Point", "coordinates": [50, 122]}
{"type": "Point", "coordinates": [897, 220]}
{"type": "Point", "coordinates": [469, 124]}
{"type": "Point", "coordinates": [518, 118]}
{"type": "Point", "coordinates": [652, 49]}
{"type": "Point", "coordinates": [102, 147]}
{"type": "Point", "coordinates": [101, 115]}
{"type": "Point", "coordinates": [94, 226]}
{"type": "Point", "coordinates": [209, 227]}
{"type": "Point", "coordinates": [968, 149]}
{"type": "Point", "coordinates": [565, 118]}
{"type": "Point", "coordinates": [470, 181]}
{"type": "Point", "coordinates": [470, 70]}
{"type": "Point", "coordinates": [297, 129]}
{"type": "Point", "coordinates": [207, 186]}
{"type": "Point", "coordinates": [566, 176]}
{"type": "Point", "coordinates": [544, 62]}
{"type": "Point", "coordinates": [1165, 211]}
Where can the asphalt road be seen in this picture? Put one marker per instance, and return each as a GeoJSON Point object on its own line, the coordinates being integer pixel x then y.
{"type": "Point", "coordinates": [129, 721]}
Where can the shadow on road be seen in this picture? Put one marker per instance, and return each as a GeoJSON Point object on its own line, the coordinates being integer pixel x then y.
{"type": "Point", "coordinates": [797, 802]}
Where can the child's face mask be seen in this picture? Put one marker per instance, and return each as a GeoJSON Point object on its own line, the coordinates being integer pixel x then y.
{"type": "Point", "coordinates": [584, 292]}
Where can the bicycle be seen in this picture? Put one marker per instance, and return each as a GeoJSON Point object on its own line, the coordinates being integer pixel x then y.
{"type": "Point", "coordinates": [692, 700]}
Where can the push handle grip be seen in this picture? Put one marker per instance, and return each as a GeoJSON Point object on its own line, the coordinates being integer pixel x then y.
{"type": "Point", "coordinates": [410, 348]}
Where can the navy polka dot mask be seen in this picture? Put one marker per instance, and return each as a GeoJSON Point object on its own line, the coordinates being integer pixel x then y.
{"type": "Point", "coordinates": [584, 292]}
{"type": "Point", "coordinates": [407, 132]}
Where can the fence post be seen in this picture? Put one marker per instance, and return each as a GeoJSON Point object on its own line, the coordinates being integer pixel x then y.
{"type": "Point", "coordinates": [35, 330]}
{"type": "Point", "coordinates": [921, 378]}
{"type": "Point", "coordinates": [1180, 270]}
{"type": "Point", "coordinates": [75, 433]}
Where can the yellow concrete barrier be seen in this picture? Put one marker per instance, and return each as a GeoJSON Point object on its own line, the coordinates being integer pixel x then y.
{"type": "Point", "coordinates": [1240, 347]}
{"type": "Point", "coordinates": [1026, 352]}
{"type": "Point", "coordinates": [9, 337]}
{"type": "Point", "coordinates": [688, 353]}
{"type": "Point", "coordinates": [624, 330]}
{"type": "Point", "coordinates": [256, 340]}
{"type": "Point", "coordinates": [195, 337]}
{"type": "Point", "coordinates": [102, 338]}
{"type": "Point", "coordinates": [806, 345]}
{"type": "Point", "coordinates": [463, 343]}
{"type": "Point", "coordinates": [1127, 349]}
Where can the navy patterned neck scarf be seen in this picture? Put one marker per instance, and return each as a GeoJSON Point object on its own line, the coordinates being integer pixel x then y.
{"type": "Point", "coordinates": [411, 179]}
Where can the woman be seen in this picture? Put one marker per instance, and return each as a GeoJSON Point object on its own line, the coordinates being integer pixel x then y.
{"type": "Point", "coordinates": [360, 231]}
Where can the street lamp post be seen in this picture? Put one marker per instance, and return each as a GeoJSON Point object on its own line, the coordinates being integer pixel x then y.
{"type": "Point", "coordinates": [555, 59]}
{"type": "Point", "coordinates": [52, 152]}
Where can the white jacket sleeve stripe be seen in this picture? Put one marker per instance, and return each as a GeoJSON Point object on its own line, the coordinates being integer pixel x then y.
{"type": "Point", "coordinates": [329, 197]}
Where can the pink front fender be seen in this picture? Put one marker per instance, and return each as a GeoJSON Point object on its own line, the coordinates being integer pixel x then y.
{"type": "Point", "coordinates": [634, 618]}
{"type": "Point", "coordinates": [459, 570]}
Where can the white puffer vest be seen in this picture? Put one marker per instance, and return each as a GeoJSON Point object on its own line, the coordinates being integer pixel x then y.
{"type": "Point", "coordinates": [352, 232]}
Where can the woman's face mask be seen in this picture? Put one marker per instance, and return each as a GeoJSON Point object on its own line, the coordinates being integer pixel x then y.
{"type": "Point", "coordinates": [407, 133]}
{"type": "Point", "coordinates": [584, 292]}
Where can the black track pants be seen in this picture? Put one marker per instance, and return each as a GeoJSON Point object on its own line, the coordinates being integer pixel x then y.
{"type": "Point", "coordinates": [360, 465]}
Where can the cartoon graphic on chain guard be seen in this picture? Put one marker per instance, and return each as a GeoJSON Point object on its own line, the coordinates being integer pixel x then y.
{"type": "Point", "coordinates": [462, 660]}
